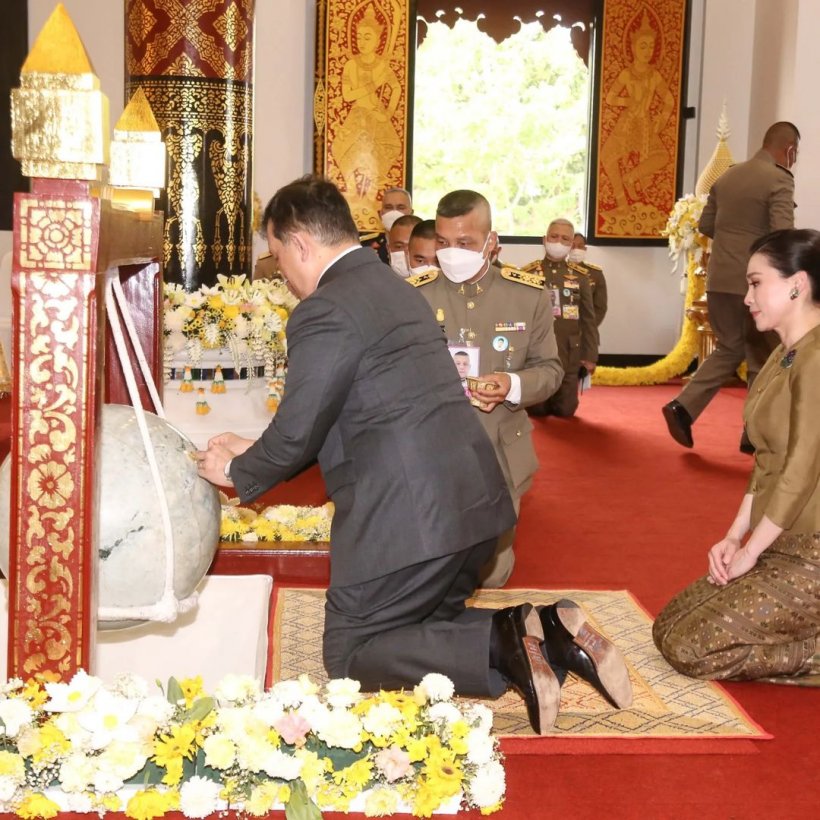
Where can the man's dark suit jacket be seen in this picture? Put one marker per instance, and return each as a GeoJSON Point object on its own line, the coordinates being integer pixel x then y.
{"type": "Point", "coordinates": [373, 392]}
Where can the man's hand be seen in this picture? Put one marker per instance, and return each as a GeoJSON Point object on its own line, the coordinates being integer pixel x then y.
{"type": "Point", "coordinates": [221, 449]}
{"type": "Point", "coordinates": [590, 366]}
{"type": "Point", "coordinates": [491, 397]}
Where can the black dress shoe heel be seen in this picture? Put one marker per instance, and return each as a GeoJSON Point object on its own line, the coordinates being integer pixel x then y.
{"type": "Point", "coordinates": [607, 659]}
{"type": "Point", "coordinates": [518, 637]}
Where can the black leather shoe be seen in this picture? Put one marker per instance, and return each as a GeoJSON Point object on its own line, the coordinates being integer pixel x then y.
{"type": "Point", "coordinates": [679, 423]}
{"type": "Point", "coordinates": [516, 645]}
{"type": "Point", "coordinates": [746, 445]}
{"type": "Point", "coordinates": [571, 643]}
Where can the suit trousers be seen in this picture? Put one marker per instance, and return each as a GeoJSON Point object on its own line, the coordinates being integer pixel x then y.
{"type": "Point", "coordinates": [391, 631]}
{"type": "Point", "coordinates": [737, 339]}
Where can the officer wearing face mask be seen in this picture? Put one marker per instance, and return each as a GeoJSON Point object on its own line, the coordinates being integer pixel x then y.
{"type": "Point", "coordinates": [398, 238]}
{"type": "Point", "coordinates": [396, 202]}
{"type": "Point", "coordinates": [421, 249]}
{"type": "Point", "coordinates": [597, 282]}
{"type": "Point", "coordinates": [574, 313]}
{"type": "Point", "coordinates": [505, 314]}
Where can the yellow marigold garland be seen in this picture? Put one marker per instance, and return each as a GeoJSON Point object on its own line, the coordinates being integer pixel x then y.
{"type": "Point", "coordinates": [678, 359]}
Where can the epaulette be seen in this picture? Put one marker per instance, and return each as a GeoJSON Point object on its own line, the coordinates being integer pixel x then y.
{"type": "Point", "coordinates": [574, 266]}
{"type": "Point", "coordinates": [534, 267]}
{"type": "Point", "coordinates": [422, 278]}
{"type": "Point", "coordinates": [523, 277]}
{"type": "Point", "coordinates": [590, 265]}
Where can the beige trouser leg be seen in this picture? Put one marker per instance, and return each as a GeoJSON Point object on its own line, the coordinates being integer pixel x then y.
{"type": "Point", "coordinates": [497, 570]}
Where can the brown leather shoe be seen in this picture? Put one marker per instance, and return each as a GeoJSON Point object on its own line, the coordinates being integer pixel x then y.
{"type": "Point", "coordinates": [570, 642]}
{"type": "Point", "coordinates": [517, 637]}
{"type": "Point", "coordinates": [679, 423]}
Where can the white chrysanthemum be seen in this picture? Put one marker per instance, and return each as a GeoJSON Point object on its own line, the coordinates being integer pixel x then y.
{"type": "Point", "coordinates": [444, 711]}
{"type": "Point", "coordinates": [253, 752]}
{"type": "Point", "coordinates": [15, 713]}
{"type": "Point", "coordinates": [288, 692]}
{"type": "Point", "coordinates": [199, 797]}
{"type": "Point", "coordinates": [106, 718]}
{"type": "Point", "coordinates": [106, 781]}
{"type": "Point", "coordinates": [268, 710]}
{"type": "Point", "coordinates": [316, 713]}
{"type": "Point", "coordinates": [480, 716]}
{"type": "Point", "coordinates": [220, 751]}
{"type": "Point", "coordinates": [250, 537]}
{"type": "Point", "coordinates": [382, 720]}
{"type": "Point", "coordinates": [175, 320]}
{"type": "Point", "coordinates": [283, 766]}
{"type": "Point", "coordinates": [175, 294]}
{"type": "Point", "coordinates": [240, 722]}
{"type": "Point", "coordinates": [130, 686]}
{"type": "Point", "coordinates": [486, 788]}
{"type": "Point", "coordinates": [8, 786]}
{"type": "Point", "coordinates": [342, 729]}
{"type": "Point", "coordinates": [343, 692]}
{"type": "Point", "coordinates": [123, 760]}
{"type": "Point", "coordinates": [282, 513]}
{"type": "Point", "coordinates": [72, 696]}
{"type": "Point", "coordinates": [76, 772]}
{"type": "Point", "coordinates": [480, 747]}
{"type": "Point", "coordinates": [79, 804]}
{"type": "Point", "coordinates": [437, 687]}
{"type": "Point", "coordinates": [237, 689]}
{"type": "Point", "coordinates": [157, 709]}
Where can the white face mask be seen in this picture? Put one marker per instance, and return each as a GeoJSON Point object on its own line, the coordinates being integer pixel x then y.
{"type": "Point", "coordinates": [577, 255]}
{"type": "Point", "coordinates": [460, 264]}
{"type": "Point", "coordinates": [389, 217]}
{"type": "Point", "coordinates": [556, 250]}
{"type": "Point", "coordinates": [398, 261]}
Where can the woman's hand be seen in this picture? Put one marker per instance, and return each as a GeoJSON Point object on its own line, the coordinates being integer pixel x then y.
{"type": "Point", "coordinates": [720, 557]}
{"type": "Point", "coordinates": [742, 561]}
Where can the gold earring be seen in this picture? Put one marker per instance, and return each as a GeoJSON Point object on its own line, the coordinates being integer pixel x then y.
{"type": "Point", "coordinates": [794, 293]}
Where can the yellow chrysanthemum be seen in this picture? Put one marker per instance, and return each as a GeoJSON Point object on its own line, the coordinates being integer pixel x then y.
{"type": "Point", "coordinates": [216, 302]}
{"type": "Point", "coordinates": [191, 688]}
{"type": "Point", "coordinates": [34, 694]}
{"type": "Point", "coordinates": [426, 800]}
{"type": "Point", "coordinates": [355, 776]}
{"type": "Point", "coordinates": [147, 804]}
{"type": "Point", "coordinates": [173, 772]}
{"type": "Point", "coordinates": [443, 773]}
{"type": "Point", "coordinates": [175, 746]}
{"type": "Point", "coordinates": [13, 766]}
{"type": "Point", "coordinates": [111, 802]}
{"type": "Point", "coordinates": [417, 749]}
{"type": "Point", "coordinates": [37, 806]}
{"type": "Point", "coordinates": [381, 802]}
{"type": "Point", "coordinates": [53, 744]}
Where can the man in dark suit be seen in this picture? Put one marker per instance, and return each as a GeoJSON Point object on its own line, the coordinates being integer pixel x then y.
{"type": "Point", "coordinates": [420, 499]}
{"type": "Point", "coordinates": [746, 202]}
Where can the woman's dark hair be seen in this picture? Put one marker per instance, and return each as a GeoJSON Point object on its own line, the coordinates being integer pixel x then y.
{"type": "Point", "coordinates": [792, 250]}
{"type": "Point", "coordinates": [313, 204]}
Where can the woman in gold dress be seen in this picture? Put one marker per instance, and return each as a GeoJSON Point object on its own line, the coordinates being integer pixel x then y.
{"type": "Point", "coordinates": [756, 614]}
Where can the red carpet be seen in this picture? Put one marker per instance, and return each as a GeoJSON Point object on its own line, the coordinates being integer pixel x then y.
{"type": "Point", "coordinates": [618, 504]}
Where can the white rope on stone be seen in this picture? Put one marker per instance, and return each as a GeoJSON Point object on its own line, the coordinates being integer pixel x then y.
{"type": "Point", "coordinates": [168, 607]}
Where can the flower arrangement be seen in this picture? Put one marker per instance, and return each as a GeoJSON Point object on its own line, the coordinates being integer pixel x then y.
{"type": "Point", "coordinates": [280, 523]}
{"type": "Point", "coordinates": [248, 318]}
{"type": "Point", "coordinates": [84, 746]}
{"type": "Point", "coordinates": [682, 228]}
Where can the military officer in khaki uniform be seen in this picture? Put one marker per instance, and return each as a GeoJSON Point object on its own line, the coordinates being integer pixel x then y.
{"type": "Point", "coordinates": [504, 316]}
{"type": "Point", "coordinates": [597, 282]}
{"type": "Point", "coordinates": [573, 311]}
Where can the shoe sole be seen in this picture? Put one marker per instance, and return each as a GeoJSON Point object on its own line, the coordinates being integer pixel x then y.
{"type": "Point", "coordinates": [607, 659]}
{"type": "Point", "coordinates": [675, 430]}
{"type": "Point", "coordinates": [547, 688]}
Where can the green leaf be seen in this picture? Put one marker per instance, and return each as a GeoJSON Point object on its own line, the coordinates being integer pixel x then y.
{"type": "Point", "coordinates": [300, 806]}
{"type": "Point", "coordinates": [175, 693]}
{"type": "Point", "coordinates": [199, 710]}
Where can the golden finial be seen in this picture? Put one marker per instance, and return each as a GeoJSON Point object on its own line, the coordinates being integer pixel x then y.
{"type": "Point", "coordinates": [137, 156]}
{"type": "Point", "coordinates": [59, 115]}
{"type": "Point", "coordinates": [721, 158]}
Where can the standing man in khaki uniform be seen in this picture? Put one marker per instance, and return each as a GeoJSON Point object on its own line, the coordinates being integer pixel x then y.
{"type": "Point", "coordinates": [748, 201]}
{"type": "Point", "coordinates": [576, 330]}
{"type": "Point", "coordinates": [505, 315]}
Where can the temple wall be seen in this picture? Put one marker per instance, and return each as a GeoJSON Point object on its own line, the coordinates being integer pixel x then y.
{"type": "Point", "coordinates": [760, 55]}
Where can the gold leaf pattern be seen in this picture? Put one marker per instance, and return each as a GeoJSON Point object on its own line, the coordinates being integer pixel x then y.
{"type": "Point", "coordinates": [231, 26]}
